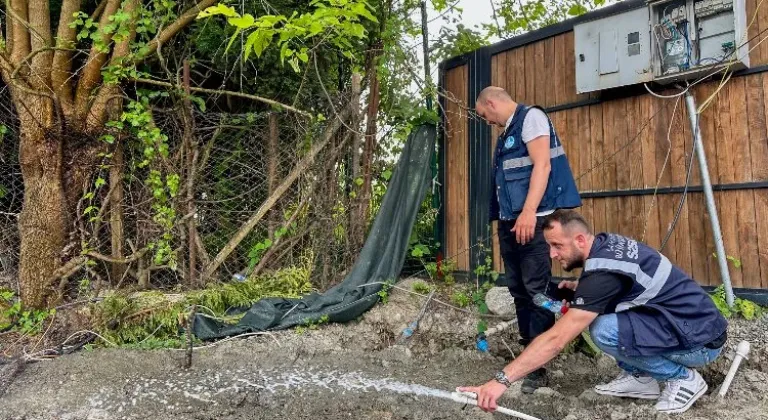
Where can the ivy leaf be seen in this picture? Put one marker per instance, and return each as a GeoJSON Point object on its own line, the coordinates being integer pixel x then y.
{"type": "Point", "coordinates": [219, 9]}
{"type": "Point", "coordinates": [242, 22]}
{"type": "Point", "coordinates": [100, 182]}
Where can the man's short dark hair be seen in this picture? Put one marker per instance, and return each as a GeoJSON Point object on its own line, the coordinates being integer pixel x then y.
{"type": "Point", "coordinates": [567, 219]}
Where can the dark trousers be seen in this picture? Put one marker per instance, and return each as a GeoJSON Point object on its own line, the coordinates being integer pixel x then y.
{"type": "Point", "coordinates": [528, 270]}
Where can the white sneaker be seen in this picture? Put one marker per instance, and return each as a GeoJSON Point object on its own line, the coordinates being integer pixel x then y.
{"type": "Point", "coordinates": [628, 385]}
{"type": "Point", "coordinates": [680, 394]}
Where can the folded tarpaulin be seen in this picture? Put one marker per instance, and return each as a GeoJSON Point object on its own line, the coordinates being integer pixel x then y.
{"type": "Point", "coordinates": [380, 260]}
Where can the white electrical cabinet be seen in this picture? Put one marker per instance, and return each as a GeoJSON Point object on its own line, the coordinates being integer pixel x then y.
{"type": "Point", "coordinates": [692, 37]}
{"type": "Point", "coordinates": [667, 41]}
{"type": "Point", "coordinates": [613, 51]}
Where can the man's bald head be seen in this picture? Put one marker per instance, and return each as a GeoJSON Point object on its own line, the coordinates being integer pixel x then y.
{"type": "Point", "coordinates": [495, 106]}
{"type": "Point", "coordinates": [493, 93]}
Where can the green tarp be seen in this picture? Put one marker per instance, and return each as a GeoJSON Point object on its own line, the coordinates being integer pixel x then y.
{"type": "Point", "coordinates": [381, 258]}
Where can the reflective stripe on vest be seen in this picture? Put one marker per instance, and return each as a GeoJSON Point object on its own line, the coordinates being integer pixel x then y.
{"type": "Point", "coordinates": [652, 285]}
{"type": "Point", "coordinates": [522, 162]}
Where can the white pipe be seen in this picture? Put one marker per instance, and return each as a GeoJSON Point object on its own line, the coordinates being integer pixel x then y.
{"type": "Point", "coordinates": [742, 350]}
{"type": "Point", "coordinates": [471, 398]}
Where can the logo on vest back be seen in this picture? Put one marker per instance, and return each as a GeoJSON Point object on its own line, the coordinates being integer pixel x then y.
{"type": "Point", "coordinates": [510, 142]}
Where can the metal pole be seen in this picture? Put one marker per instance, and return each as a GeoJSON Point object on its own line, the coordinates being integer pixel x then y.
{"type": "Point", "coordinates": [710, 198]}
{"type": "Point", "coordinates": [425, 45]}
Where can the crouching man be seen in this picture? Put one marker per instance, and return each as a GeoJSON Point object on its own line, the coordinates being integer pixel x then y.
{"type": "Point", "coordinates": [654, 320]}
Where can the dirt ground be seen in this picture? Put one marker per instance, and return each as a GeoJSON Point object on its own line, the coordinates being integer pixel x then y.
{"type": "Point", "coordinates": [347, 371]}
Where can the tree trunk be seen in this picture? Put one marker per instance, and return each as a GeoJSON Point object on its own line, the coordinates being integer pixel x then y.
{"type": "Point", "coordinates": [116, 216]}
{"type": "Point", "coordinates": [43, 221]}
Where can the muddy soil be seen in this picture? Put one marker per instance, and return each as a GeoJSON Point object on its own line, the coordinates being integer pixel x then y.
{"type": "Point", "coordinates": [347, 371]}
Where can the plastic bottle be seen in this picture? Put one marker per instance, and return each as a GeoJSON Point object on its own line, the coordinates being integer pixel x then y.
{"type": "Point", "coordinates": [238, 277]}
{"type": "Point", "coordinates": [549, 304]}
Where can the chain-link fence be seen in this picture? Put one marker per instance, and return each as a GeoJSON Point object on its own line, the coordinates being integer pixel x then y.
{"type": "Point", "coordinates": [255, 206]}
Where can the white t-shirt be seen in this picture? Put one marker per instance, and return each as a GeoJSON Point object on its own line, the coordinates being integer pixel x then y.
{"type": "Point", "coordinates": [536, 124]}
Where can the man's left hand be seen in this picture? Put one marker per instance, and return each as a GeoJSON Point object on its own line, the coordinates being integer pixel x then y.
{"type": "Point", "coordinates": [525, 226]}
{"type": "Point", "coordinates": [487, 394]}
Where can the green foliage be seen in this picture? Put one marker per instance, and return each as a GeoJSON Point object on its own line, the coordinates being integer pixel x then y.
{"type": "Point", "coordinates": [311, 324]}
{"type": "Point", "coordinates": [741, 307]}
{"type": "Point", "coordinates": [384, 292]}
{"type": "Point", "coordinates": [421, 287]}
{"type": "Point", "coordinates": [13, 316]}
{"type": "Point", "coordinates": [461, 299]}
{"type": "Point", "coordinates": [456, 41]}
{"type": "Point", "coordinates": [515, 17]}
{"type": "Point", "coordinates": [151, 320]}
{"type": "Point", "coordinates": [336, 22]}
{"type": "Point", "coordinates": [735, 261]}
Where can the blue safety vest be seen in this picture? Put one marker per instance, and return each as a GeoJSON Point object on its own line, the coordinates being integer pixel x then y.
{"type": "Point", "coordinates": [665, 310]}
{"type": "Point", "coordinates": [512, 169]}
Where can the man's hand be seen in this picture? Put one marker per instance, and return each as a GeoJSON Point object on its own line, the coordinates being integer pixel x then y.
{"type": "Point", "coordinates": [567, 284]}
{"type": "Point", "coordinates": [525, 226]}
{"type": "Point", "coordinates": [487, 394]}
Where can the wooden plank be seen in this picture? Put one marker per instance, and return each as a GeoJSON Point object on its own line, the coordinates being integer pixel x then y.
{"type": "Point", "coordinates": [621, 139]}
{"type": "Point", "coordinates": [679, 165]}
{"type": "Point", "coordinates": [509, 72]}
{"type": "Point", "coordinates": [725, 164]}
{"type": "Point", "coordinates": [757, 95]}
{"type": "Point", "coordinates": [650, 232]}
{"type": "Point", "coordinates": [747, 230]}
{"type": "Point", "coordinates": [540, 75]}
{"type": "Point", "coordinates": [548, 70]}
{"type": "Point", "coordinates": [745, 200]}
{"type": "Point", "coordinates": [761, 218]}
{"type": "Point", "coordinates": [570, 63]}
{"type": "Point", "coordinates": [581, 139]}
{"type": "Point", "coordinates": [501, 72]}
{"type": "Point", "coordinates": [498, 263]}
{"type": "Point", "coordinates": [464, 239]}
{"type": "Point", "coordinates": [530, 75]}
{"type": "Point", "coordinates": [762, 18]}
{"type": "Point", "coordinates": [661, 125]}
{"type": "Point", "coordinates": [518, 63]}
{"type": "Point", "coordinates": [699, 247]}
{"type": "Point", "coordinates": [753, 29]}
{"type": "Point", "coordinates": [758, 130]}
{"type": "Point", "coordinates": [635, 149]}
{"type": "Point", "coordinates": [729, 225]}
{"type": "Point", "coordinates": [568, 139]}
{"type": "Point", "coordinates": [596, 138]}
{"type": "Point", "coordinates": [609, 167]}
{"type": "Point", "coordinates": [450, 164]}
{"type": "Point", "coordinates": [559, 74]}
{"type": "Point", "coordinates": [758, 136]}
{"type": "Point", "coordinates": [739, 139]}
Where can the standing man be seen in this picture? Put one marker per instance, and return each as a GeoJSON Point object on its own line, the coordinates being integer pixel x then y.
{"type": "Point", "coordinates": [531, 179]}
{"type": "Point", "coordinates": [652, 318]}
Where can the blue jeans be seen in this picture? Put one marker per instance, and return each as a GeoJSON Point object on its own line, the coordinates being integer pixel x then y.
{"type": "Point", "coordinates": [604, 331]}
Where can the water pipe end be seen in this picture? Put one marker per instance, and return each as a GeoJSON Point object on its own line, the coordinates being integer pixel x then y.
{"type": "Point", "coordinates": [742, 349]}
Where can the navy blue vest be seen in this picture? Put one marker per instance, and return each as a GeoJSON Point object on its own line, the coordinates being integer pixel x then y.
{"type": "Point", "coordinates": [665, 310]}
{"type": "Point", "coordinates": [512, 168]}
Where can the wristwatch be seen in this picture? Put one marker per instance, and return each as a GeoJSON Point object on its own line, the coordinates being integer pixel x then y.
{"type": "Point", "coordinates": [502, 379]}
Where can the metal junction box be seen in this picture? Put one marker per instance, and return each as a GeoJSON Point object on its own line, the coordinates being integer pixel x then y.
{"type": "Point", "coordinates": [613, 51]}
{"type": "Point", "coordinates": [667, 41]}
{"type": "Point", "coordinates": [690, 38]}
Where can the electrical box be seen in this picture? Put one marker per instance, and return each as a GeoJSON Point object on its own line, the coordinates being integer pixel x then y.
{"type": "Point", "coordinates": [667, 41]}
{"type": "Point", "coordinates": [613, 51]}
{"type": "Point", "coordinates": [690, 38]}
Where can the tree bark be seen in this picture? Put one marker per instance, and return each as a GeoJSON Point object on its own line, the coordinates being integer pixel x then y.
{"type": "Point", "coordinates": [116, 217]}
{"type": "Point", "coordinates": [43, 221]}
{"type": "Point", "coordinates": [364, 196]}
{"type": "Point", "coordinates": [272, 167]}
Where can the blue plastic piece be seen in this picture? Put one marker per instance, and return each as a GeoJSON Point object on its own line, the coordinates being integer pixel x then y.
{"type": "Point", "coordinates": [481, 343]}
